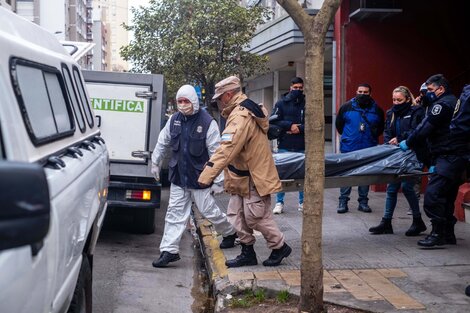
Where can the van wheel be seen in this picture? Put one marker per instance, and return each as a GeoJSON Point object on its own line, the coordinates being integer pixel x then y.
{"type": "Point", "coordinates": [82, 296]}
{"type": "Point", "coordinates": [144, 221]}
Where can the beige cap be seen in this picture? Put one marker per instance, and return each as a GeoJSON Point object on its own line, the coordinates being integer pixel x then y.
{"type": "Point", "coordinates": [227, 84]}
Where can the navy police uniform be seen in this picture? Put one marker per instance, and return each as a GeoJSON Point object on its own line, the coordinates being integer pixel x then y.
{"type": "Point", "coordinates": [449, 163]}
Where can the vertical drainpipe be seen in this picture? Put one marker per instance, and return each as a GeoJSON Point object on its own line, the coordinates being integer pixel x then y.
{"type": "Point", "coordinates": [333, 101]}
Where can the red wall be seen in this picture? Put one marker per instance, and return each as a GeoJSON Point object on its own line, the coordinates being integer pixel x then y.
{"type": "Point", "coordinates": [429, 37]}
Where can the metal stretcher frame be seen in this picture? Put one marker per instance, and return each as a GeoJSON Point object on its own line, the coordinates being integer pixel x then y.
{"type": "Point", "coordinates": [345, 181]}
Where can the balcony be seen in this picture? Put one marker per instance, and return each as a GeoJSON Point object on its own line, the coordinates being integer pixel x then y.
{"type": "Point", "coordinates": [280, 33]}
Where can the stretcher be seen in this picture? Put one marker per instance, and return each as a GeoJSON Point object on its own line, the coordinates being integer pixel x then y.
{"type": "Point", "coordinates": [377, 165]}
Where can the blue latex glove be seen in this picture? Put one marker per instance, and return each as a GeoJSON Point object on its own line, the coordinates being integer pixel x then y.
{"type": "Point", "coordinates": [432, 169]}
{"type": "Point", "coordinates": [403, 145]}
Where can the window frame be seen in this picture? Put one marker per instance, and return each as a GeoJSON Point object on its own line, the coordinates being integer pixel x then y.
{"type": "Point", "coordinates": [81, 89]}
{"type": "Point", "coordinates": [73, 92]}
{"type": "Point", "coordinates": [14, 61]}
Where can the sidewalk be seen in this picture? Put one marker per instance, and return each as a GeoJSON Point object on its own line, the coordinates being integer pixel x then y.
{"type": "Point", "coordinates": [378, 273]}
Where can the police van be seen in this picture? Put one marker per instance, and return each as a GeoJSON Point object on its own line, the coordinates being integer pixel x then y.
{"type": "Point", "coordinates": [54, 172]}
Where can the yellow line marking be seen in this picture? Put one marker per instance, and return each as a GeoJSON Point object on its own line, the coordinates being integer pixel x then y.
{"type": "Point", "coordinates": [355, 285]}
{"type": "Point", "coordinates": [397, 297]}
{"type": "Point", "coordinates": [330, 284]}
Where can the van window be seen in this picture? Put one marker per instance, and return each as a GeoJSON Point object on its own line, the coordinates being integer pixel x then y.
{"type": "Point", "coordinates": [41, 95]}
{"type": "Point", "coordinates": [83, 97]}
{"type": "Point", "coordinates": [71, 90]}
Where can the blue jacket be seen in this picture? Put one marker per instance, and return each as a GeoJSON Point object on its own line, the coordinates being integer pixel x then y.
{"type": "Point", "coordinates": [290, 111]}
{"type": "Point", "coordinates": [359, 127]}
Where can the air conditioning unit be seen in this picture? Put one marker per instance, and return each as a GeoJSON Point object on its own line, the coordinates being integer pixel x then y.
{"type": "Point", "coordinates": [378, 9]}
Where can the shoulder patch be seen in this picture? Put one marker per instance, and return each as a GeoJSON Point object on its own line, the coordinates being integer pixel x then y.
{"type": "Point", "coordinates": [226, 137]}
{"type": "Point", "coordinates": [436, 110]}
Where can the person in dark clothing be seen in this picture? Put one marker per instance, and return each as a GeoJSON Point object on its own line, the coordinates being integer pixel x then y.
{"type": "Point", "coordinates": [360, 122]}
{"type": "Point", "coordinates": [401, 120]}
{"type": "Point", "coordinates": [448, 161]}
{"type": "Point", "coordinates": [288, 114]}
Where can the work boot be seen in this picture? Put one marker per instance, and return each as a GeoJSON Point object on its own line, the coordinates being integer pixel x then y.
{"type": "Point", "coordinates": [342, 208]}
{"type": "Point", "coordinates": [416, 227]}
{"type": "Point", "coordinates": [276, 256]}
{"type": "Point", "coordinates": [435, 238]}
{"type": "Point", "coordinates": [228, 241]}
{"type": "Point", "coordinates": [165, 258]}
{"type": "Point", "coordinates": [247, 257]}
{"type": "Point", "coordinates": [385, 227]}
{"type": "Point", "coordinates": [364, 207]}
{"type": "Point", "coordinates": [449, 234]}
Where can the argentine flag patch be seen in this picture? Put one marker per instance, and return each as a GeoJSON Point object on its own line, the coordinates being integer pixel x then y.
{"type": "Point", "coordinates": [226, 137]}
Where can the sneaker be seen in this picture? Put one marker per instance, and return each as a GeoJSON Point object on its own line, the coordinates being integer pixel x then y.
{"type": "Point", "coordinates": [278, 208]}
{"type": "Point", "coordinates": [364, 207]}
{"type": "Point", "coordinates": [228, 241]}
{"type": "Point", "coordinates": [165, 258]}
{"type": "Point", "coordinates": [301, 207]}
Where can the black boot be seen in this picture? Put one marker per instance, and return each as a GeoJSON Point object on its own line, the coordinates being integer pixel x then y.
{"type": "Point", "coordinates": [228, 241]}
{"type": "Point", "coordinates": [277, 255]}
{"type": "Point", "coordinates": [342, 208]}
{"type": "Point", "coordinates": [385, 227]}
{"type": "Point", "coordinates": [165, 258]}
{"type": "Point", "coordinates": [416, 228]}
{"type": "Point", "coordinates": [247, 257]}
{"type": "Point", "coordinates": [435, 238]}
{"type": "Point", "coordinates": [449, 234]}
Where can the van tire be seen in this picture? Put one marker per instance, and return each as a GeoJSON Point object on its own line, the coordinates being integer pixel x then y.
{"type": "Point", "coordinates": [144, 221]}
{"type": "Point", "coordinates": [82, 296]}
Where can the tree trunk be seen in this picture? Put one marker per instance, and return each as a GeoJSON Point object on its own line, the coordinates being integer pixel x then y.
{"type": "Point", "coordinates": [314, 30]}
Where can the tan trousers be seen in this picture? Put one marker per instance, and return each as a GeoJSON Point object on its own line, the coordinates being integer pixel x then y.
{"type": "Point", "coordinates": [254, 213]}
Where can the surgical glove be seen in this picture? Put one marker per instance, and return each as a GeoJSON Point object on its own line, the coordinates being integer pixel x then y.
{"type": "Point", "coordinates": [403, 145]}
{"type": "Point", "coordinates": [155, 170]}
{"type": "Point", "coordinates": [217, 189]}
{"type": "Point", "coordinates": [432, 169]}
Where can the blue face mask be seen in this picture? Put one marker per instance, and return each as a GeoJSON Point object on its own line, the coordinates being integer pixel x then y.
{"type": "Point", "coordinates": [431, 96]}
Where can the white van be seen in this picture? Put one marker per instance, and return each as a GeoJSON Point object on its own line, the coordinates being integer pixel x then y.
{"type": "Point", "coordinates": [54, 172]}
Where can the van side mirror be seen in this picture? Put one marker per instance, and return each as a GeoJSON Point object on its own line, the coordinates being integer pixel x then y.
{"type": "Point", "coordinates": [24, 197]}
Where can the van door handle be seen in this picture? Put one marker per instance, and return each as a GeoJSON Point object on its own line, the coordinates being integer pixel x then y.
{"type": "Point", "coordinates": [141, 154]}
{"type": "Point", "coordinates": [146, 94]}
{"type": "Point", "coordinates": [56, 162]}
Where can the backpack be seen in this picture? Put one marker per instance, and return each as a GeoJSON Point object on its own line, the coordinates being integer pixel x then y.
{"type": "Point", "coordinates": [460, 123]}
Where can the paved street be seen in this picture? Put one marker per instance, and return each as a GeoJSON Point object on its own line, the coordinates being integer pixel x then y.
{"type": "Point", "coordinates": [382, 273]}
{"type": "Point", "coordinates": [124, 280]}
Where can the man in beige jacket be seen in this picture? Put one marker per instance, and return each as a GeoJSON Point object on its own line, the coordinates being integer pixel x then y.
{"type": "Point", "coordinates": [250, 174]}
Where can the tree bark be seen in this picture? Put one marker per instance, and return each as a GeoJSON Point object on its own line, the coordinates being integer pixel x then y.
{"type": "Point", "coordinates": [314, 30]}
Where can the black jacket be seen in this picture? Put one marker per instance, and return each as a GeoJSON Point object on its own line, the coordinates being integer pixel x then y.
{"type": "Point", "coordinates": [435, 126]}
{"type": "Point", "coordinates": [290, 111]}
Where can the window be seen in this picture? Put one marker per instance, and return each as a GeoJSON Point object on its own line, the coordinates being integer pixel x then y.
{"type": "Point", "coordinates": [72, 92]}
{"type": "Point", "coordinates": [41, 94]}
{"type": "Point", "coordinates": [83, 97]}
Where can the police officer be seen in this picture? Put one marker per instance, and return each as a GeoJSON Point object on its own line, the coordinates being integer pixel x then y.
{"type": "Point", "coordinates": [250, 174]}
{"type": "Point", "coordinates": [448, 162]}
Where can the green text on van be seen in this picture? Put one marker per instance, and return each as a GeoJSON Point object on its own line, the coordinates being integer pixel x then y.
{"type": "Point", "coordinates": [118, 105]}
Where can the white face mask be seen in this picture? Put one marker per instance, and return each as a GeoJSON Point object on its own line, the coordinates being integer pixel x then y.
{"type": "Point", "coordinates": [185, 107]}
